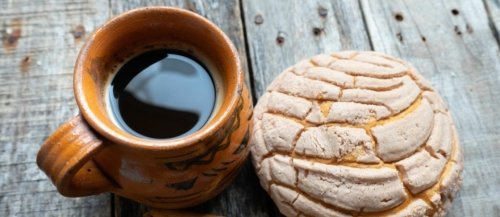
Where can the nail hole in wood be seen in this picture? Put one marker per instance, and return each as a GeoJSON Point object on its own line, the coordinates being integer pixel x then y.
{"type": "Point", "coordinates": [89, 170]}
{"type": "Point", "coordinates": [78, 32]}
{"type": "Point", "coordinates": [25, 64]}
{"type": "Point", "coordinates": [457, 30]}
{"type": "Point", "coordinates": [455, 12]}
{"type": "Point", "coordinates": [280, 39]}
{"type": "Point", "coordinates": [11, 34]}
{"type": "Point", "coordinates": [399, 36]}
{"type": "Point", "coordinates": [26, 59]}
{"type": "Point", "coordinates": [317, 31]}
{"type": "Point", "coordinates": [323, 12]}
{"type": "Point", "coordinates": [399, 17]}
{"type": "Point", "coordinates": [424, 39]}
{"type": "Point", "coordinates": [468, 28]}
{"type": "Point", "coordinates": [258, 19]}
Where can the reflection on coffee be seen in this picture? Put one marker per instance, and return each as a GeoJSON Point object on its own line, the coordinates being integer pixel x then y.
{"type": "Point", "coordinates": [162, 94]}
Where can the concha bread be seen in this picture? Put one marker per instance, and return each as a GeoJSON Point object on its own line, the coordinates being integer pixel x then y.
{"type": "Point", "coordinates": [356, 134]}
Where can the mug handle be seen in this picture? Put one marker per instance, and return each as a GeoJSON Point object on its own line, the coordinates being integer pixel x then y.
{"type": "Point", "coordinates": [66, 157]}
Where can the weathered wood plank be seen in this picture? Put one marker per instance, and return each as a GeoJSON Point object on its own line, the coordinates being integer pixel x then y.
{"type": "Point", "coordinates": [281, 33]}
{"type": "Point", "coordinates": [458, 53]}
{"type": "Point", "coordinates": [40, 41]}
{"type": "Point", "coordinates": [493, 11]}
{"type": "Point", "coordinates": [244, 197]}
{"type": "Point", "coordinates": [451, 44]}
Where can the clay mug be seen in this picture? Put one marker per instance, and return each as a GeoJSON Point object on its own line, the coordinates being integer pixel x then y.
{"type": "Point", "coordinates": [89, 154]}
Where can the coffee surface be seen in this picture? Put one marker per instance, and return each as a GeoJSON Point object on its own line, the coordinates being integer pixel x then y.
{"type": "Point", "coordinates": [162, 94]}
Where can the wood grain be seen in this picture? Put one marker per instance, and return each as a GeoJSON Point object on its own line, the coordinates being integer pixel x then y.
{"type": "Point", "coordinates": [493, 12]}
{"type": "Point", "coordinates": [280, 33]}
{"type": "Point", "coordinates": [40, 41]}
{"type": "Point", "coordinates": [451, 44]}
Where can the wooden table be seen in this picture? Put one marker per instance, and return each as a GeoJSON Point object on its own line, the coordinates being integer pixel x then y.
{"type": "Point", "coordinates": [455, 44]}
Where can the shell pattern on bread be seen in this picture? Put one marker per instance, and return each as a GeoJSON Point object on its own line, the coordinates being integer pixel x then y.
{"type": "Point", "coordinates": [356, 134]}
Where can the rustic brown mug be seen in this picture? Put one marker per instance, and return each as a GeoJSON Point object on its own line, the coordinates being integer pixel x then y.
{"type": "Point", "coordinates": [90, 154]}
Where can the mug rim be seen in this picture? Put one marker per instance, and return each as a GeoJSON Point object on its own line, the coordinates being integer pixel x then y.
{"type": "Point", "coordinates": [112, 133]}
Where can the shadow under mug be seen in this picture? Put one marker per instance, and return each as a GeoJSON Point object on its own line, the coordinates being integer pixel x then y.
{"type": "Point", "coordinates": [90, 154]}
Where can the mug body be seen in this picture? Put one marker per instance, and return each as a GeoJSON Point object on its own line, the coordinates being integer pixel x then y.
{"type": "Point", "coordinates": [165, 173]}
{"type": "Point", "coordinates": [185, 176]}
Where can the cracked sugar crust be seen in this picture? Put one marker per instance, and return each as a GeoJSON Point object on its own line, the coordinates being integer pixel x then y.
{"type": "Point", "coordinates": [356, 134]}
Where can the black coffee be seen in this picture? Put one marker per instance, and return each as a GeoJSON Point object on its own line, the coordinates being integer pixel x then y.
{"type": "Point", "coordinates": [162, 94]}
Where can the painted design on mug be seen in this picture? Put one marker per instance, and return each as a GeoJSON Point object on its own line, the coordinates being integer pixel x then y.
{"type": "Point", "coordinates": [227, 162]}
{"type": "Point", "coordinates": [196, 195]}
{"type": "Point", "coordinates": [209, 155]}
{"type": "Point", "coordinates": [175, 199]}
{"type": "Point", "coordinates": [185, 185]}
{"type": "Point", "coordinates": [244, 142]}
{"type": "Point", "coordinates": [243, 145]}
